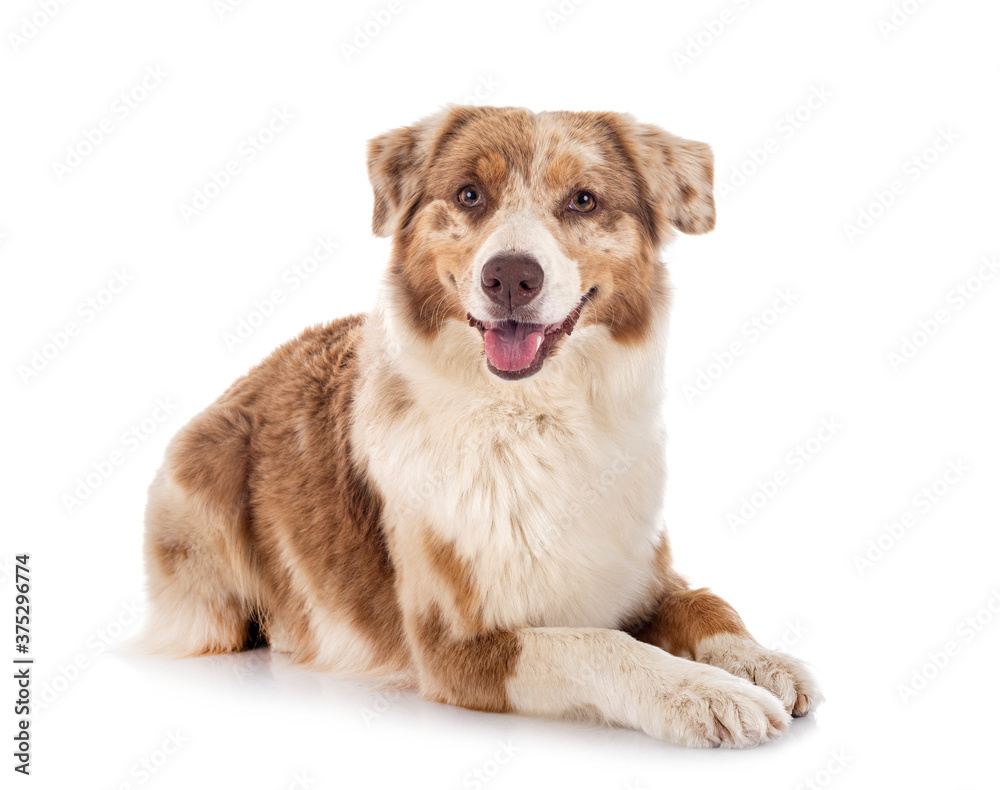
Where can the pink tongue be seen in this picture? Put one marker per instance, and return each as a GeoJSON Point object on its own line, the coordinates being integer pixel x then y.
{"type": "Point", "coordinates": [511, 345]}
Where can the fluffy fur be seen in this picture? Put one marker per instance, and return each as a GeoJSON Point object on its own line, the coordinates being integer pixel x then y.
{"type": "Point", "coordinates": [373, 498]}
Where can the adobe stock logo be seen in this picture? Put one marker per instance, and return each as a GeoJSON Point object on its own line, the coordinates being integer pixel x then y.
{"type": "Point", "coordinates": [901, 14]}
{"type": "Point", "coordinates": [752, 330]}
{"type": "Point", "coordinates": [785, 128]}
{"type": "Point", "coordinates": [146, 767]}
{"type": "Point", "coordinates": [248, 150]}
{"type": "Point", "coordinates": [485, 773]}
{"type": "Point", "coordinates": [60, 339]}
{"type": "Point", "coordinates": [121, 109]}
{"type": "Point", "coordinates": [35, 23]}
{"type": "Point", "coordinates": [967, 631]}
{"type": "Point", "coordinates": [955, 302]}
{"type": "Point", "coordinates": [226, 7]}
{"type": "Point", "coordinates": [823, 777]}
{"type": "Point", "coordinates": [711, 30]}
{"type": "Point", "coordinates": [292, 278]}
{"type": "Point", "coordinates": [560, 13]}
{"type": "Point", "coordinates": [922, 503]}
{"type": "Point", "coordinates": [97, 644]}
{"type": "Point", "coordinates": [795, 461]}
{"type": "Point", "coordinates": [379, 19]}
{"type": "Point", "coordinates": [130, 441]}
{"type": "Point", "coordinates": [914, 167]}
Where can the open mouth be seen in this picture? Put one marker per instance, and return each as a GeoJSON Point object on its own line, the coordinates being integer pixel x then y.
{"type": "Point", "coordinates": [517, 349]}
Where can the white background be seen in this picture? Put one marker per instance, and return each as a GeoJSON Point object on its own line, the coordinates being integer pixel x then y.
{"type": "Point", "coordinates": [791, 569]}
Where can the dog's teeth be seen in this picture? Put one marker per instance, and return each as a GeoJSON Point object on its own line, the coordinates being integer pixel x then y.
{"type": "Point", "coordinates": [538, 343]}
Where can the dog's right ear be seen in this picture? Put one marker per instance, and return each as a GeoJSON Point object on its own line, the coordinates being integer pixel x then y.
{"type": "Point", "coordinates": [397, 161]}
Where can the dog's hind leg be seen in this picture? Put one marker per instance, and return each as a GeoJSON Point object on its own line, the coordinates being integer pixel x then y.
{"type": "Point", "coordinates": [203, 595]}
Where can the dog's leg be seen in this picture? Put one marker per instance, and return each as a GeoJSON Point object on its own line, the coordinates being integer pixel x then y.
{"type": "Point", "coordinates": [202, 589]}
{"type": "Point", "coordinates": [562, 672]}
{"type": "Point", "coordinates": [594, 673]}
{"type": "Point", "coordinates": [700, 625]}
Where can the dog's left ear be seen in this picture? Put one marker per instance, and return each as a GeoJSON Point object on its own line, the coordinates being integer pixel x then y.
{"type": "Point", "coordinates": [678, 175]}
{"type": "Point", "coordinates": [397, 161]}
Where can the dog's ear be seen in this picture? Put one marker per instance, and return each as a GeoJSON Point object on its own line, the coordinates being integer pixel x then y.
{"type": "Point", "coordinates": [397, 161]}
{"type": "Point", "coordinates": [678, 175]}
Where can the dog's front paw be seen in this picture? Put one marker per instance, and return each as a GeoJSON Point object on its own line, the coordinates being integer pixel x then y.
{"type": "Point", "coordinates": [785, 677]}
{"type": "Point", "coordinates": [703, 706]}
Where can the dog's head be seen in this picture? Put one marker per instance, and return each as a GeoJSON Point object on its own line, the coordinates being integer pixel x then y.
{"type": "Point", "coordinates": [527, 225]}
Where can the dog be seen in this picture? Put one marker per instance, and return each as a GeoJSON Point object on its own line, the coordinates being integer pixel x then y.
{"type": "Point", "coordinates": [461, 491]}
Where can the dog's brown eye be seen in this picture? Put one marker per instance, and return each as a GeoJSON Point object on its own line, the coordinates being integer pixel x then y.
{"type": "Point", "coordinates": [469, 197]}
{"type": "Point", "coordinates": [583, 201]}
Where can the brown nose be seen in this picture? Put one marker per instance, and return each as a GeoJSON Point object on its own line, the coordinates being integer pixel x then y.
{"type": "Point", "coordinates": [512, 280]}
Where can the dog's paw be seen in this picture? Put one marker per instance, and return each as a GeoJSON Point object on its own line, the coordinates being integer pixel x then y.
{"type": "Point", "coordinates": [703, 706]}
{"type": "Point", "coordinates": [785, 677]}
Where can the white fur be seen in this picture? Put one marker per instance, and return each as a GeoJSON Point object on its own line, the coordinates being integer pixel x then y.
{"type": "Point", "coordinates": [785, 677]}
{"type": "Point", "coordinates": [525, 232]}
{"type": "Point", "coordinates": [189, 622]}
{"type": "Point", "coordinates": [620, 680]}
{"type": "Point", "coordinates": [549, 488]}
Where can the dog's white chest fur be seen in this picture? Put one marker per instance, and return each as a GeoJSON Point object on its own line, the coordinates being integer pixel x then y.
{"type": "Point", "coordinates": [552, 499]}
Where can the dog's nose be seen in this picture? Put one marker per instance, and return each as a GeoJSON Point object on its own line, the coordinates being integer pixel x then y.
{"type": "Point", "coordinates": [512, 280]}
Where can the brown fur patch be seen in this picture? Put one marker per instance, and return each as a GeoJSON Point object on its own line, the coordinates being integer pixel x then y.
{"type": "Point", "coordinates": [440, 220]}
{"type": "Point", "coordinates": [170, 553]}
{"type": "Point", "coordinates": [322, 501]}
{"type": "Point", "coordinates": [471, 672]}
{"type": "Point", "coordinates": [685, 617]}
{"type": "Point", "coordinates": [670, 579]}
{"type": "Point", "coordinates": [455, 573]}
{"type": "Point", "coordinates": [395, 397]}
{"type": "Point", "coordinates": [422, 296]}
{"type": "Point", "coordinates": [491, 168]}
{"type": "Point", "coordinates": [218, 431]}
{"type": "Point", "coordinates": [291, 491]}
{"type": "Point", "coordinates": [563, 171]}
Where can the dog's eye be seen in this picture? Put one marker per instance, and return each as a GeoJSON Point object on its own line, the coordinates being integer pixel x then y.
{"type": "Point", "coordinates": [582, 201]}
{"type": "Point", "coordinates": [469, 196]}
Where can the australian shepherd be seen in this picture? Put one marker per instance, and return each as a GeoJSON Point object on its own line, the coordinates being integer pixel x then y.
{"type": "Point", "coordinates": [462, 490]}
